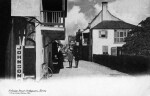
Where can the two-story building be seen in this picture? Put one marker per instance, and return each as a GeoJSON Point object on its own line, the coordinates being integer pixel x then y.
{"type": "Point", "coordinates": [36, 25]}
{"type": "Point", "coordinates": [106, 33]}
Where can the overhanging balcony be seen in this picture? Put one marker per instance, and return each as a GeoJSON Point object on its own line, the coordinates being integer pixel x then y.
{"type": "Point", "coordinates": [53, 18]}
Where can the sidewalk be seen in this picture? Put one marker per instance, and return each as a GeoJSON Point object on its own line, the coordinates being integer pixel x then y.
{"type": "Point", "coordinates": [86, 69]}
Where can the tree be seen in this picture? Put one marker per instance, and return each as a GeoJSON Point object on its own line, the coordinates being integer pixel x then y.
{"type": "Point", "coordinates": [138, 40]}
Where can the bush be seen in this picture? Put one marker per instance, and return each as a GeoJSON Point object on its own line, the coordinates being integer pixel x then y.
{"type": "Point", "coordinates": [126, 64]}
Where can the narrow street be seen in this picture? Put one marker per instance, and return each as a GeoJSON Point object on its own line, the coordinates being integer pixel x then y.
{"type": "Point", "coordinates": [86, 69]}
{"type": "Point", "coordinates": [91, 79]}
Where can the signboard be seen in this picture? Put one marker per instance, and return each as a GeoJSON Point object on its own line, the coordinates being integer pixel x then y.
{"type": "Point", "coordinates": [19, 62]}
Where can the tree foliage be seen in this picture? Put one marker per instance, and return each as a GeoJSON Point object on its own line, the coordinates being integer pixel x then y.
{"type": "Point", "coordinates": [138, 39]}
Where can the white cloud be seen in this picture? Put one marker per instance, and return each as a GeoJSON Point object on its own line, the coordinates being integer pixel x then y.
{"type": "Point", "coordinates": [132, 11]}
{"type": "Point", "coordinates": [98, 8]}
{"type": "Point", "coordinates": [75, 20]}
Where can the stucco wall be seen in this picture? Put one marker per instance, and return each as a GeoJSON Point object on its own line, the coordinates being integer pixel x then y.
{"type": "Point", "coordinates": [25, 7]}
{"type": "Point", "coordinates": [99, 42]}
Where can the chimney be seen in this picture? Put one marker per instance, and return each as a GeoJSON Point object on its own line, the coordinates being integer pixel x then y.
{"type": "Point", "coordinates": [104, 10]}
{"type": "Point", "coordinates": [104, 5]}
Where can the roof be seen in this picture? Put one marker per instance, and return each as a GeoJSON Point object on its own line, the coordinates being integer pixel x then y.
{"type": "Point", "coordinates": [114, 25]}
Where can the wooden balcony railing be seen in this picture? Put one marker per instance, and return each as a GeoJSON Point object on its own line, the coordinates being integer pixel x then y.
{"type": "Point", "coordinates": [53, 18]}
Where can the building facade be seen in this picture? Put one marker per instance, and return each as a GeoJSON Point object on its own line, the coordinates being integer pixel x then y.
{"type": "Point", "coordinates": [106, 33]}
{"type": "Point", "coordinates": [108, 40]}
{"type": "Point", "coordinates": [36, 25]}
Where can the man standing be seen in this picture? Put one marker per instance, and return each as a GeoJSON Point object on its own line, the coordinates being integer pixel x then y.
{"type": "Point", "coordinates": [77, 56]}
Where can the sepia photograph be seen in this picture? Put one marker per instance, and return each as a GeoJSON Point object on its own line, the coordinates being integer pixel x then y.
{"type": "Point", "coordinates": [75, 47]}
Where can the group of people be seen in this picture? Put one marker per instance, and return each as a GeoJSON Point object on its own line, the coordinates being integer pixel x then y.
{"type": "Point", "coordinates": [71, 54]}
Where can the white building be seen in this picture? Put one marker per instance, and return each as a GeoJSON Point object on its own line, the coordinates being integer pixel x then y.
{"type": "Point", "coordinates": [107, 33]}
{"type": "Point", "coordinates": [108, 36]}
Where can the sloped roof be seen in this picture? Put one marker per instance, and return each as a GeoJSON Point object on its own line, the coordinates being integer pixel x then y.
{"type": "Point", "coordinates": [113, 25]}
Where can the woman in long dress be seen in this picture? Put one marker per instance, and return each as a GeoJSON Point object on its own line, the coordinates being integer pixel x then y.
{"type": "Point", "coordinates": [60, 59]}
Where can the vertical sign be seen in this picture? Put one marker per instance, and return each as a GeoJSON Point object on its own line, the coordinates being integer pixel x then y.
{"type": "Point", "coordinates": [19, 62]}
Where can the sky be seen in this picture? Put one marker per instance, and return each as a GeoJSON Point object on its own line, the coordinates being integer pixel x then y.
{"type": "Point", "coordinates": [81, 12]}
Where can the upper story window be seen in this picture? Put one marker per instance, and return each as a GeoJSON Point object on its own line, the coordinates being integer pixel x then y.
{"type": "Point", "coordinates": [103, 34]}
{"type": "Point", "coordinates": [54, 12]}
{"type": "Point", "coordinates": [30, 35]}
{"type": "Point", "coordinates": [119, 35]}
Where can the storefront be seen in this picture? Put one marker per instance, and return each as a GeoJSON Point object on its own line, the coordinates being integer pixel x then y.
{"type": "Point", "coordinates": [21, 53]}
{"type": "Point", "coordinates": [31, 35]}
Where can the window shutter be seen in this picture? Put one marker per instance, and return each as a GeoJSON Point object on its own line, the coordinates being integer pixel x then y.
{"type": "Point", "coordinates": [114, 51]}
{"type": "Point", "coordinates": [106, 34]}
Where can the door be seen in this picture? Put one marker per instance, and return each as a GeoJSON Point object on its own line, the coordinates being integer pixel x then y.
{"type": "Point", "coordinates": [29, 59]}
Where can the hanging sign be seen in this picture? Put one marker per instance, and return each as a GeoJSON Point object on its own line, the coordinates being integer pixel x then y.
{"type": "Point", "coordinates": [19, 62]}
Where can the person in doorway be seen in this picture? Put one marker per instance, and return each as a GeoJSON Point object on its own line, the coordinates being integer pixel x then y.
{"type": "Point", "coordinates": [60, 59]}
{"type": "Point", "coordinates": [70, 58]}
{"type": "Point", "coordinates": [77, 56]}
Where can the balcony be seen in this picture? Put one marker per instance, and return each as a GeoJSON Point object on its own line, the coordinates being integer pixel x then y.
{"type": "Point", "coordinates": [53, 18]}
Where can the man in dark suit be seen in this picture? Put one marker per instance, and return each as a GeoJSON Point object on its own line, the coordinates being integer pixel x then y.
{"type": "Point", "coordinates": [77, 56]}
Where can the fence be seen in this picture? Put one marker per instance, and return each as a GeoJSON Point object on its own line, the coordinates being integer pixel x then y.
{"type": "Point", "coordinates": [126, 64]}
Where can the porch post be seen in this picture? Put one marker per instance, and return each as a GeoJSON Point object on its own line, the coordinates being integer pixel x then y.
{"type": "Point", "coordinates": [38, 53]}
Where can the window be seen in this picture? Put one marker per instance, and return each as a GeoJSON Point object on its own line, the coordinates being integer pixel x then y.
{"type": "Point", "coordinates": [119, 36]}
{"type": "Point", "coordinates": [105, 50]}
{"type": "Point", "coordinates": [114, 51]}
{"type": "Point", "coordinates": [30, 37]}
{"type": "Point", "coordinates": [103, 34]}
{"type": "Point", "coordinates": [85, 41]}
